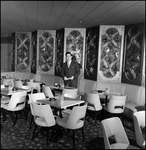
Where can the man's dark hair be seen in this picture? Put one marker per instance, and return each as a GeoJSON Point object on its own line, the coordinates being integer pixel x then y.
{"type": "Point", "coordinates": [68, 53]}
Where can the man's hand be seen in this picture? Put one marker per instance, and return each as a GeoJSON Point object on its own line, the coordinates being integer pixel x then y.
{"type": "Point", "coordinates": [65, 78]}
{"type": "Point", "coordinates": [71, 78]}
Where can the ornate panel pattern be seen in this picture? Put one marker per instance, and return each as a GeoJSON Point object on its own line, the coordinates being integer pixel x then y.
{"type": "Point", "coordinates": [133, 54]}
{"type": "Point", "coordinates": [74, 42]}
{"type": "Point", "coordinates": [143, 76]}
{"type": "Point", "coordinates": [13, 53]}
{"type": "Point", "coordinates": [59, 51]}
{"type": "Point", "coordinates": [46, 52]}
{"type": "Point", "coordinates": [91, 53]}
{"type": "Point", "coordinates": [34, 52]}
{"type": "Point", "coordinates": [22, 51]}
{"type": "Point", "coordinates": [110, 53]}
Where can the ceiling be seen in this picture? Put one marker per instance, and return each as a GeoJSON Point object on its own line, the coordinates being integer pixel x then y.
{"type": "Point", "coordinates": [28, 16]}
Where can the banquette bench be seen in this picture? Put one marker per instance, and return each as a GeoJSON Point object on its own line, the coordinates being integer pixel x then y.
{"type": "Point", "coordinates": [135, 94]}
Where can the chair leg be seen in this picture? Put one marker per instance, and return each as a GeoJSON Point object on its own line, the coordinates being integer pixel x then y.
{"type": "Point", "coordinates": [4, 116]}
{"type": "Point", "coordinates": [33, 136]}
{"type": "Point", "coordinates": [30, 126]}
{"type": "Point", "coordinates": [73, 139]}
{"type": "Point", "coordinates": [47, 136]}
{"type": "Point", "coordinates": [13, 118]}
{"type": "Point", "coordinates": [52, 134]}
{"type": "Point", "coordinates": [83, 134]}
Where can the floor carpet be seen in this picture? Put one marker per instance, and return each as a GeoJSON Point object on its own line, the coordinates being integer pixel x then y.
{"type": "Point", "coordinates": [19, 136]}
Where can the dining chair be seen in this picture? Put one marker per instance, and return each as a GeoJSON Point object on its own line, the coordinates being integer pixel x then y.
{"type": "Point", "coordinates": [33, 98]}
{"type": "Point", "coordinates": [15, 105]}
{"type": "Point", "coordinates": [74, 121]}
{"type": "Point", "coordinates": [18, 84]}
{"type": "Point", "coordinates": [94, 106]}
{"type": "Point", "coordinates": [9, 82]}
{"type": "Point", "coordinates": [114, 134]}
{"type": "Point", "coordinates": [70, 93]}
{"type": "Point", "coordinates": [139, 127]}
{"type": "Point", "coordinates": [47, 91]}
{"type": "Point", "coordinates": [116, 106]}
{"type": "Point", "coordinates": [34, 85]}
{"type": "Point", "coordinates": [43, 118]}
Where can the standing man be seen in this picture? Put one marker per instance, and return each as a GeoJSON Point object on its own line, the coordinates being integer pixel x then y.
{"type": "Point", "coordinates": [70, 71]}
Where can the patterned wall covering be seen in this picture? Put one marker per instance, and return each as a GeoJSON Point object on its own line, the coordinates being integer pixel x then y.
{"type": "Point", "coordinates": [133, 54]}
{"type": "Point", "coordinates": [110, 53]}
{"type": "Point", "coordinates": [13, 53]}
{"type": "Point", "coordinates": [143, 76]}
{"type": "Point", "coordinates": [22, 51]}
{"type": "Point", "coordinates": [34, 52]}
{"type": "Point", "coordinates": [91, 53]}
{"type": "Point", "coordinates": [74, 42]}
{"type": "Point", "coordinates": [59, 51]}
{"type": "Point", "coordinates": [46, 52]}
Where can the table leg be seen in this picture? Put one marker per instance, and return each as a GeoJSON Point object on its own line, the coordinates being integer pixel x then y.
{"type": "Point", "coordinates": [106, 99]}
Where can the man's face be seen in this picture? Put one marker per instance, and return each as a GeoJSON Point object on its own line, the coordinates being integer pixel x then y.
{"type": "Point", "coordinates": [68, 57]}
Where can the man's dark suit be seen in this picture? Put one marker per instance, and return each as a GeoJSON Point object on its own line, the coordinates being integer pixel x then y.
{"type": "Point", "coordinates": [73, 70]}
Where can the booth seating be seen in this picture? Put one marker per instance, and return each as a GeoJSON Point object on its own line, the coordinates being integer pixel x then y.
{"type": "Point", "coordinates": [135, 94]}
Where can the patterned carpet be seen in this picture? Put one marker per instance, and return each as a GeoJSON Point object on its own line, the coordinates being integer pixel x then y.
{"type": "Point", "coordinates": [19, 136]}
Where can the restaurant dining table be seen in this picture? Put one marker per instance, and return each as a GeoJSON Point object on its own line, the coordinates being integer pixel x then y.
{"type": "Point", "coordinates": [6, 92]}
{"type": "Point", "coordinates": [67, 102]}
{"type": "Point", "coordinates": [106, 94]}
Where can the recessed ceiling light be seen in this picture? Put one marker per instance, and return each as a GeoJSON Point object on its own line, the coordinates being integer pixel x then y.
{"type": "Point", "coordinates": [80, 21]}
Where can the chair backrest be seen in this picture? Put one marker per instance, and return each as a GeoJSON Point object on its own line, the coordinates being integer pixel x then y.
{"type": "Point", "coordinates": [139, 123]}
{"type": "Point", "coordinates": [113, 127]}
{"type": "Point", "coordinates": [116, 104]}
{"type": "Point", "coordinates": [18, 83]}
{"type": "Point", "coordinates": [9, 82]}
{"type": "Point", "coordinates": [71, 93]}
{"type": "Point", "coordinates": [44, 111]}
{"type": "Point", "coordinates": [34, 85]}
{"type": "Point", "coordinates": [25, 87]}
{"type": "Point", "coordinates": [17, 98]}
{"type": "Point", "coordinates": [33, 98]}
{"type": "Point", "coordinates": [93, 101]}
{"type": "Point", "coordinates": [47, 91]}
{"type": "Point", "coordinates": [77, 114]}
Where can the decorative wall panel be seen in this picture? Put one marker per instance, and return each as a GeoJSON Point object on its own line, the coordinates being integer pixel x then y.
{"type": "Point", "coordinates": [91, 53]}
{"type": "Point", "coordinates": [13, 53]}
{"type": "Point", "coordinates": [59, 51]}
{"type": "Point", "coordinates": [143, 76]}
{"type": "Point", "coordinates": [110, 53]}
{"type": "Point", "coordinates": [74, 42]}
{"type": "Point", "coordinates": [133, 54]}
{"type": "Point", "coordinates": [22, 51]}
{"type": "Point", "coordinates": [34, 52]}
{"type": "Point", "coordinates": [46, 52]}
